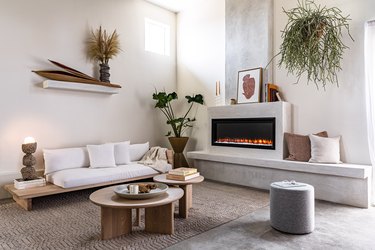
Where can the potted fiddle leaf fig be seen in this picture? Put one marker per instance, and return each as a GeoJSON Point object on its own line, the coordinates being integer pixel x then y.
{"type": "Point", "coordinates": [101, 47]}
{"type": "Point", "coordinates": [313, 42]}
{"type": "Point", "coordinates": [179, 124]}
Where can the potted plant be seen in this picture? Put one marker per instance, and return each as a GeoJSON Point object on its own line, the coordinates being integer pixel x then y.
{"type": "Point", "coordinates": [102, 47]}
{"type": "Point", "coordinates": [312, 42]}
{"type": "Point", "coordinates": [179, 124]}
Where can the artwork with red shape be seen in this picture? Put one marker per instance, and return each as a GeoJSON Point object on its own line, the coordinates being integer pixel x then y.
{"type": "Point", "coordinates": [248, 86]}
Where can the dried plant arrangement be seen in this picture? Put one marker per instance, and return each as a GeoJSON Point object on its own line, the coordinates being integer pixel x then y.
{"type": "Point", "coordinates": [101, 47]}
{"type": "Point", "coordinates": [312, 42]}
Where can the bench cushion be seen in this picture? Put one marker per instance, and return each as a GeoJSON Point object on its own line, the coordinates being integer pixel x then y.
{"type": "Point", "coordinates": [65, 158]}
{"type": "Point", "coordinates": [87, 176]}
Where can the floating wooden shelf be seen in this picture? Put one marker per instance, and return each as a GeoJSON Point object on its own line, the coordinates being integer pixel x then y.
{"type": "Point", "coordinates": [51, 84]}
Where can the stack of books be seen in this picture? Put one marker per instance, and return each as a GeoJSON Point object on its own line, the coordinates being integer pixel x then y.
{"type": "Point", "coordinates": [272, 93]}
{"type": "Point", "coordinates": [182, 174]}
{"type": "Point", "coordinates": [21, 184]}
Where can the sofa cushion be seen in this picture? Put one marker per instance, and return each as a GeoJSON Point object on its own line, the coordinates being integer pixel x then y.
{"type": "Point", "coordinates": [122, 153]}
{"type": "Point", "coordinates": [102, 156]}
{"type": "Point", "coordinates": [299, 146]}
{"type": "Point", "coordinates": [325, 150]}
{"type": "Point", "coordinates": [137, 151]}
{"type": "Point", "coordinates": [65, 158]}
{"type": "Point", "coordinates": [88, 176]}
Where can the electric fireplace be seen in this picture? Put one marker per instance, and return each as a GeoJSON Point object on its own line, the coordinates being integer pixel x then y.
{"type": "Point", "coordinates": [244, 132]}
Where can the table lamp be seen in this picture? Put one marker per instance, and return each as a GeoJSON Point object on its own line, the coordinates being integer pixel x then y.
{"type": "Point", "coordinates": [29, 147]}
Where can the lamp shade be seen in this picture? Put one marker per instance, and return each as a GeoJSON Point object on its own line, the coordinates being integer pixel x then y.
{"type": "Point", "coordinates": [29, 139]}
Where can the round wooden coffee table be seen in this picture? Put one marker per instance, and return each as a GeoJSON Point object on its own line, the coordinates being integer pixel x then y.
{"type": "Point", "coordinates": [116, 212]}
{"type": "Point", "coordinates": [186, 201]}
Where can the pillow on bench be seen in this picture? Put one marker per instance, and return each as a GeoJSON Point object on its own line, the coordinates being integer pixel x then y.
{"type": "Point", "coordinates": [65, 158]}
{"type": "Point", "coordinates": [299, 146]}
{"type": "Point", "coordinates": [102, 156]}
{"type": "Point", "coordinates": [122, 153]}
{"type": "Point", "coordinates": [137, 151]}
{"type": "Point", "coordinates": [325, 150]}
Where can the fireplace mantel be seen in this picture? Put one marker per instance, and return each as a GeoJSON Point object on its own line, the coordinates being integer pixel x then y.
{"type": "Point", "coordinates": [280, 110]}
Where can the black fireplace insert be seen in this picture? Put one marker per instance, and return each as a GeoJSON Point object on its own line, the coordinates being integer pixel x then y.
{"type": "Point", "coordinates": [244, 132]}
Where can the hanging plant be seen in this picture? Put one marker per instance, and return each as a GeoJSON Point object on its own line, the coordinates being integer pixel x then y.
{"type": "Point", "coordinates": [101, 47]}
{"type": "Point", "coordinates": [312, 42]}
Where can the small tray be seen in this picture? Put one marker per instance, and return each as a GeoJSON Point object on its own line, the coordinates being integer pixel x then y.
{"type": "Point", "coordinates": [122, 191]}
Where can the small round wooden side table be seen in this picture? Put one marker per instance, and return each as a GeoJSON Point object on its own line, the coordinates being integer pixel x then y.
{"type": "Point", "coordinates": [186, 201]}
{"type": "Point", "coordinates": [116, 212]}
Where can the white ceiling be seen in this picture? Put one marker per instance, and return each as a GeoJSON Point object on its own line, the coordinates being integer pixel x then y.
{"type": "Point", "coordinates": [172, 5]}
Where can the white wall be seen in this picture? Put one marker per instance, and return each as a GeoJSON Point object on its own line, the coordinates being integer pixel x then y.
{"type": "Point", "coordinates": [34, 31]}
{"type": "Point", "coordinates": [340, 111]}
{"type": "Point", "coordinates": [200, 58]}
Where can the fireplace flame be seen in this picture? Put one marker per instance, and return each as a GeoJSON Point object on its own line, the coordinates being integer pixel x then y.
{"type": "Point", "coordinates": [262, 142]}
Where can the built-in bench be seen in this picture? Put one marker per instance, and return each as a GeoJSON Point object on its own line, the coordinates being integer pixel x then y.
{"type": "Point", "coordinates": [341, 183]}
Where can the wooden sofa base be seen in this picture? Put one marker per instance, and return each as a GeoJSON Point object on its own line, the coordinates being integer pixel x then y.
{"type": "Point", "coordinates": [23, 197]}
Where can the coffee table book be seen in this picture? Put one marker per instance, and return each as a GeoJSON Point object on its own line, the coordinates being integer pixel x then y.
{"type": "Point", "coordinates": [182, 177]}
{"type": "Point", "coordinates": [183, 171]}
{"type": "Point", "coordinates": [21, 184]}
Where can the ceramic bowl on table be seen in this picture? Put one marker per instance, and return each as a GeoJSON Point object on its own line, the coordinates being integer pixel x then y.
{"type": "Point", "coordinates": [124, 192]}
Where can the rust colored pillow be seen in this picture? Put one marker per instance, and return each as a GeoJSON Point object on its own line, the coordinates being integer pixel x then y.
{"type": "Point", "coordinates": [299, 146]}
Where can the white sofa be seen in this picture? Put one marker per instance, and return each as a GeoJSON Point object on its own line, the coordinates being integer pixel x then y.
{"type": "Point", "coordinates": [72, 169]}
{"type": "Point", "coordinates": [96, 164]}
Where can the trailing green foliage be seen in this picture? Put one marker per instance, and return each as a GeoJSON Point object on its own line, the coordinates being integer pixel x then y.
{"type": "Point", "coordinates": [312, 42]}
{"type": "Point", "coordinates": [178, 124]}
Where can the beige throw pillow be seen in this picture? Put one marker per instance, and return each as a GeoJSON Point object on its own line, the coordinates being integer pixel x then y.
{"type": "Point", "coordinates": [299, 147]}
{"type": "Point", "coordinates": [325, 150]}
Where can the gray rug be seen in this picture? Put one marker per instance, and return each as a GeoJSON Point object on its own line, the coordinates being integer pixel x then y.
{"type": "Point", "coordinates": [71, 221]}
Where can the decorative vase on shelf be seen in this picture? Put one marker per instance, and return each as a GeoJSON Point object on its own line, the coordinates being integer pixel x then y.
{"type": "Point", "coordinates": [104, 72]}
{"type": "Point", "coordinates": [178, 144]}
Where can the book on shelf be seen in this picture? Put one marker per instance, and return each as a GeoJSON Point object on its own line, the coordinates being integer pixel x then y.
{"type": "Point", "coordinates": [270, 93]}
{"type": "Point", "coordinates": [182, 171]}
{"type": "Point", "coordinates": [182, 177]}
{"type": "Point", "coordinates": [22, 184]}
{"type": "Point", "coordinates": [278, 95]}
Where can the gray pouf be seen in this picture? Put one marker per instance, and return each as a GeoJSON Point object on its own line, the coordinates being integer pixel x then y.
{"type": "Point", "coordinates": [292, 207]}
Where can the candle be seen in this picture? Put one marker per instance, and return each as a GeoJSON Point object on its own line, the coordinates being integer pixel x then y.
{"type": "Point", "coordinates": [133, 189]}
{"type": "Point", "coordinates": [28, 140]}
{"type": "Point", "coordinates": [217, 88]}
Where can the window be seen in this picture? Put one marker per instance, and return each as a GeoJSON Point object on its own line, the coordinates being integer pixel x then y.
{"type": "Point", "coordinates": [157, 37]}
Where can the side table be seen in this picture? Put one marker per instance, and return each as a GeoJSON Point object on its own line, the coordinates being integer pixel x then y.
{"type": "Point", "coordinates": [186, 201]}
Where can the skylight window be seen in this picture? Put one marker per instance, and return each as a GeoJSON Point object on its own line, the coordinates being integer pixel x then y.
{"type": "Point", "coordinates": [157, 37]}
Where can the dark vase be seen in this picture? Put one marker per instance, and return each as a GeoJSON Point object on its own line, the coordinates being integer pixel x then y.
{"type": "Point", "coordinates": [178, 144]}
{"type": "Point", "coordinates": [104, 72]}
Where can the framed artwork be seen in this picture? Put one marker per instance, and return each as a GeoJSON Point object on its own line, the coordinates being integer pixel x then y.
{"type": "Point", "coordinates": [249, 85]}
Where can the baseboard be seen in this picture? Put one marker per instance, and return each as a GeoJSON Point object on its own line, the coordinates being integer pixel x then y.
{"type": "Point", "coordinates": [7, 177]}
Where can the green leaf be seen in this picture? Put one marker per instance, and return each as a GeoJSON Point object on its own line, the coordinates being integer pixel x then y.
{"type": "Point", "coordinates": [172, 96]}
{"type": "Point", "coordinates": [161, 98]}
{"type": "Point", "coordinates": [195, 98]}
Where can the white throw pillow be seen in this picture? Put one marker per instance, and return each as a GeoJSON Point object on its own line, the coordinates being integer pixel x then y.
{"type": "Point", "coordinates": [65, 158]}
{"type": "Point", "coordinates": [325, 150]}
{"type": "Point", "coordinates": [122, 153]}
{"type": "Point", "coordinates": [101, 156]}
{"type": "Point", "coordinates": [137, 151]}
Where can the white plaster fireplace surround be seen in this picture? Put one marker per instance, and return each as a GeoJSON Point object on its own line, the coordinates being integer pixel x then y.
{"type": "Point", "coordinates": [341, 183]}
{"type": "Point", "coordinates": [279, 110]}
